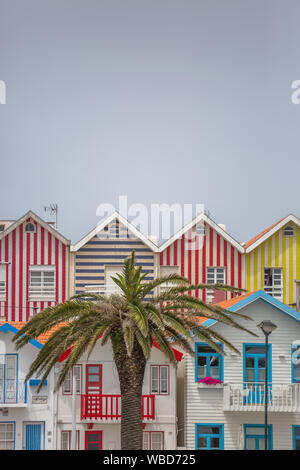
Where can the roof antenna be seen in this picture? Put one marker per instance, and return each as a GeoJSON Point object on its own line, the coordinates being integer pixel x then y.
{"type": "Point", "coordinates": [53, 208]}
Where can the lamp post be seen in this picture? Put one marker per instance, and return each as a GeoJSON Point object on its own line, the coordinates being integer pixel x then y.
{"type": "Point", "coordinates": [267, 328]}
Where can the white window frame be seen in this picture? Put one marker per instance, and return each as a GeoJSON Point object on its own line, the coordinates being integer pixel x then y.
{"type": "Point", "coordinates": [214, 279]}
{"type": "Point", "coordinates": [148, 440]}
{"type": "Point", "coordinates": [166, 271]}
{"type": "Point", "coordinates": [6, 441]}
{"type": "Point", "coordinates": [43, 291]}
{"type": "Point", "coordinates": [288, 231]}
{"type": "Point", "coordinates": [111, 287]}
{"type": "Point", "coordinates": [3, 281]}
{"type": "Point", "coordinates": [159, 379]}
{"type": "Point", "coordinates": [274, 288]}
{"type": "Point", "coordinates": [30, 231]}
{"type": "Point", "coordinates": [65, 433]}
{"type": "Point", "coordinates": [67, 386]}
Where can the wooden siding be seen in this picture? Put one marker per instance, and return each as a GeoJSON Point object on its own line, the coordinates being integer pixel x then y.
{"type": "Point", "coordinates": [277, 251]}
{"type": "Point", "coordinates": [110, 248]}
{"type": "Point", "coordinates": [210, 250]}
{"type": "Point", "coordinates": [18, 251]}
{"type": "Point", "coordinates": [205, 405]}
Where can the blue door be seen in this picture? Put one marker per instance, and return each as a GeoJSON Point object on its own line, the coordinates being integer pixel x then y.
{"type": "Point", "coordinates": [254, 373]}
{"type": "Point", "coordinates": [33, 436]}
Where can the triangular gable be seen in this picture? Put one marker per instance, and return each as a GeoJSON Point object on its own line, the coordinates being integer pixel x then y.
{"type": "Point", "coordinates": [36, 218]}
{"type": "Point", "coordinates": [249, 298]}
{"type": "Point", "coordinates": [202, 218]}
{"type": "Point", "coordinates": [11, 328]}
{"type": "Point", "coordinates": [269, 232]}
{"type": "Point", "coordinates": [123, 221]}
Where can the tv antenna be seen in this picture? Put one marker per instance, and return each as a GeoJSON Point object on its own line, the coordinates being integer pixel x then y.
{"type": "Point", "coordinates": [53, 209]}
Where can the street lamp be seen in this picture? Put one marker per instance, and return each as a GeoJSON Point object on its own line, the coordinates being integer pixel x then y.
{"type": "Point", "coordinates": [267, 328]}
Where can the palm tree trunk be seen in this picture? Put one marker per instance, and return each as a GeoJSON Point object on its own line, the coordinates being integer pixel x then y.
{"type": "Point", "coordinates": [131, 372]}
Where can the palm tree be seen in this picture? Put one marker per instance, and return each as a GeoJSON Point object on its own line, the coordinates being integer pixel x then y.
{"type": "Point", "coordinates": [130, 322]}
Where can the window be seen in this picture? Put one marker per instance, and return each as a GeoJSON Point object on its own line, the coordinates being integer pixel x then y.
{"type": "Point", "coordinates": [209, 436]}
{"type": "Point", "coordinates": [200, 229]}
{"type": "Point", "coordinates": [67, 385]}
{"type": "Point", "coordinates": [214, 276]}
{"type": "Point", "coordinates": [93, 440]}
{"type": "Point", "coordinates": [7, 436]}
{"type": "Point", "coordinates": [273, 282]}
{"type": "Point", "coordinates": [66, 437]}
{"type": "Point", "coordinates": [159, 380]}
{"type": "Point", "coordinates": [2, 281]}
{"type": "Point", "coordinates": [153, 440]}
{"type": "Point", "coordinates": [2, 227]}
{"type": "Point", "coordinates": [288, 231]}
{"type": "Point", "coordinates": [255, 436]}
{"type": "Point", "coordinates": [167, 271]}
{"type": "Point", "coordinates": [110, 286]}
{"type": "Point", "coordinates": [254, 372]}
{"type": "Point", "coordinates": [8, 378]}
{"type": "Point", "coordinates": [30, 227]}
{"type": "Point", "coordinates": [296, 437]}
{"type": "Point", "coordinates": [295, 363]}
{"type": "Point", "coordinates": [209, 363]}
{"type": "Point", "coordinates": [41, 281]}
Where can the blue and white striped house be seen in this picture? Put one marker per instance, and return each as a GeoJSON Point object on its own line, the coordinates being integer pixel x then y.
{"type": "Point", "coordinates": [101, 254]}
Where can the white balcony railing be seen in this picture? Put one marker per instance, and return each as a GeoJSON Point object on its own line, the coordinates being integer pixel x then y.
{"type": "Point", "coordinates": [251, 397]}
{"type": "Point", "coordinates": [13, 392]}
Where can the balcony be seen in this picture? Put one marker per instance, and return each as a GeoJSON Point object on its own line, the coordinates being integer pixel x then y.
{"type": "Point", "coordinates": [251, 397]}
{"type": "Point", "coordinates": [13, 393]}
{"type": "Point", "coordinates": [107, 408]}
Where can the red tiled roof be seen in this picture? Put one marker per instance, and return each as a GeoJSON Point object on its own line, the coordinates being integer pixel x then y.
{"type": "Point", "coordinates": [250, 242]}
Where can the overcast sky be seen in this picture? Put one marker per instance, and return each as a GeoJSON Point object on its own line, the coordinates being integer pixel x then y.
{"type": "Point", "coordinates": [165, 101]}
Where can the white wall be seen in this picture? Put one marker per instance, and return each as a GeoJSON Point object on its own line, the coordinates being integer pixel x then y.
{"type": "Point", "coordinates": [165, 405]}
{"type": "Point", "coordinates": [32, 412]}
{"type": "Point", "coordinates": [205, 405]}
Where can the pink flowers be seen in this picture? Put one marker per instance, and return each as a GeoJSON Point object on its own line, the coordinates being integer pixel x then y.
{"type": "Point", "coordinates": [210, 381]}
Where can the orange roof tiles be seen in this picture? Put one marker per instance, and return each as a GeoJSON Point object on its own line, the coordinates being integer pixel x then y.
{"type": "Point", "coordinates": [250, 242]}
{"type": "Point", "coordinates": [42, 338]}
{"type": "Point", "coordinates": [228, 303]}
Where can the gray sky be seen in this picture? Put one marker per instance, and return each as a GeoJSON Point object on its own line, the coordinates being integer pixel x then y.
{"type": "Point", "coordinates": [164, 101]}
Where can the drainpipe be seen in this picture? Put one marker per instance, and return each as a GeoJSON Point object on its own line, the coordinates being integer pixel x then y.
{"type": "Point", "coordinates": [297, 281]}
{"type": "Point", "coordinates": [73, 438]}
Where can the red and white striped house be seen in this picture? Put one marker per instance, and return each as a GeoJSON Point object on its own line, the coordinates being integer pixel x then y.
{"type": "Point", "coordinates": [34, 267]}
{"type": "Point", "coordinates": [204, 252]}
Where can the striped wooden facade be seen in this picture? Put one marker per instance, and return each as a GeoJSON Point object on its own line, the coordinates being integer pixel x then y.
{"type": "Point", "coordinates": [110, 247]}
{"type": "Point", "coordinates": [18, 252]}
{"type": "Point", "coordinates": [208, 250]}
{"type": "Point", "coordinates": [277, 251]}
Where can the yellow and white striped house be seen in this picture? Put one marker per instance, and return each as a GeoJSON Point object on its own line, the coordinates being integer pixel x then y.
{"type": "Point", "coordinates": [273, 260]}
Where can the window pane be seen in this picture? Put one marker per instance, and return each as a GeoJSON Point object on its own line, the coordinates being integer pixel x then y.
{"type": "Point", "coordinates": [164, 379]}
{"type": "Point", "coordinates": [297, 446]}
{"type": "Point", "coordinates": [250, 443]}
{"type": "Point", "coordinates": [146, 440]}
{"type": "Point", "coordinates": [156, 441]}
{"type": "Point", "coordinates": [214, 443]}
{"type": "Point", "coordinates": [65, 440]}
{"type": "Point", "coordinates": [202, 442]}
{"type": "Point", "coordinates": [297, 431]}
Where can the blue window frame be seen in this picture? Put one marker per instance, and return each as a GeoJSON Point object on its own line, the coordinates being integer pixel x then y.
{"type": "Point", "coordinates": [254, 363]}
{"type": "Point", "coordinates": [209, 436]}
{"type": "Point", "coordinates": [295, 360]}
{"type": "Point", "coordinates": [208, 362]}
{"type": "Point", "coordinates": [296, 437]}
{"type": "Point", "coordinates": [8, 378]}
{"type": "Point", "coordinates": [255, 437]}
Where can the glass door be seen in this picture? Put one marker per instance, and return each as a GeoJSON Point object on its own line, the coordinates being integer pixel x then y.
{"type": "Point", "coordinates": [254, 373]}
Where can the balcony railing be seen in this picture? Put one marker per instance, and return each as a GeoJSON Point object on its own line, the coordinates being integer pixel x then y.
{"type": "Point", "coordinates": [13, 392]}
{"type": "Point", "coordinates": [251, 397]}
{"type": "Point", "coordinates": [108, 407]}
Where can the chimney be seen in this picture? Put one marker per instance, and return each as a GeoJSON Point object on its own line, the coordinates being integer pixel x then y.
{"type": "Point", "coordinates": [297, 281]}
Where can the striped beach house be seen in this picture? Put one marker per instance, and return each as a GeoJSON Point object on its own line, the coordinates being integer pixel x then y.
{"type": "Point", "coordinates": [34, 267]}
{"type": "Point", "coordinates": [273, 260]}
{"type": "Point", "coordinates": [204, 252]}
{"type": "Point", "coordinates": [102, 252]}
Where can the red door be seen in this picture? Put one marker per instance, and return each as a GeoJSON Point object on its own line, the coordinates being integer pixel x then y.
{"type": "Point", "coordinates": [94, 379]}
{"type": "Point", "coordinates": [93, 440]}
